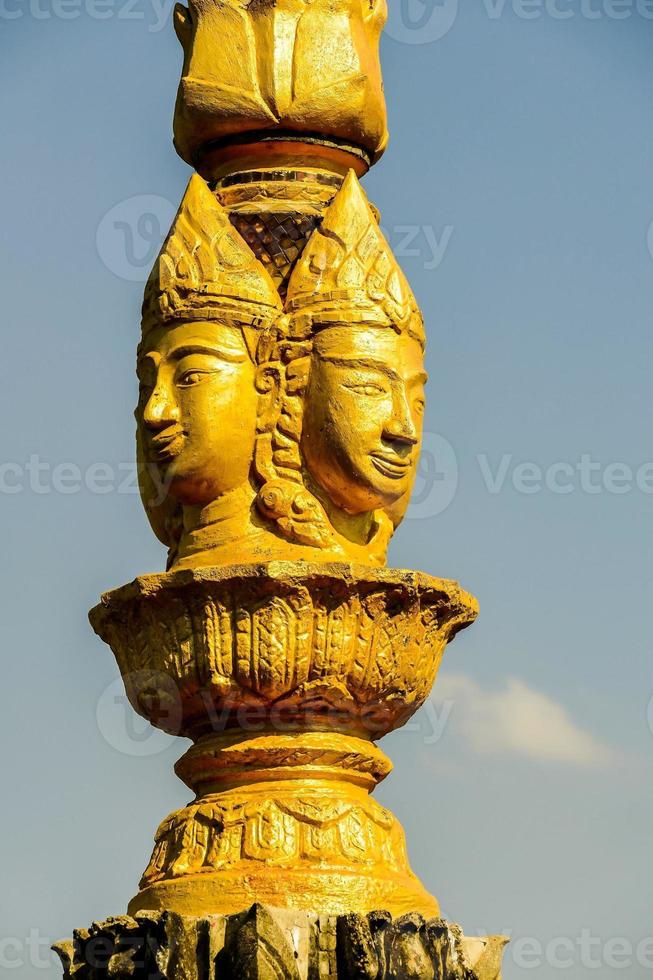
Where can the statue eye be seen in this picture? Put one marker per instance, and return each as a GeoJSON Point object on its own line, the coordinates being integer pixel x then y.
{"type": "Point", "coordinates": [367, 388]}
{"type": "Point", "coordinates": [189, 378]}
{"type": "Point", "coordinates": [194, 368]}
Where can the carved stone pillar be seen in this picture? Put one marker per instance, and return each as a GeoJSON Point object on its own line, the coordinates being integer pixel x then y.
{"type": "Point", "coordinates": [265, 943]}
{"type": "Point", "coordinates": [279, 424]}
{"type": "Point", "coordinates": [283, 676]}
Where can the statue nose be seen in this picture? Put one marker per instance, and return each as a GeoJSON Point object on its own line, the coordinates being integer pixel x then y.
{"type": "Point", "coordinates": [160, 410]}
{"type": "Point", "coordinates": [402, 432]}
{"type": "Point", "coordinates": [400, 428]}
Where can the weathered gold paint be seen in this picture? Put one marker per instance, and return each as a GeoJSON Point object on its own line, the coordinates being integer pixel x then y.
{"type": "Point", "coordinates": [279, 424]}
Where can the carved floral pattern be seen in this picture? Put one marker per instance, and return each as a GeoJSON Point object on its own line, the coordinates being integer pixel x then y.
{"type": "Point", "coordinates": [215, 835]}
{"type": "Point", "coordinates": [366, 644]}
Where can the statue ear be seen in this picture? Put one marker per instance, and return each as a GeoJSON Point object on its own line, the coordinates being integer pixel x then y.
{"type": "Point", "coordinates": [269, 384]}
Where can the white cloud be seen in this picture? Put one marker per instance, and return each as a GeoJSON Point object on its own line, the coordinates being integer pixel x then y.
{"type": "Point", "coordinates": [518, 721]}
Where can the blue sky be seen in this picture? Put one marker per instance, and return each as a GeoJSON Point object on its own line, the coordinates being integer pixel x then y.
{"type": "Point", "coordinates": [517, 189]}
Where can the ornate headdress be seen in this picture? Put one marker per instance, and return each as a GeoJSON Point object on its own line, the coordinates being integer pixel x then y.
{"type": "Point", "coordinates": [346, 276]}
{"type": "Point", "coordinates": [347, 273]}
{"type": "Point", "coordinates": [207, 271]}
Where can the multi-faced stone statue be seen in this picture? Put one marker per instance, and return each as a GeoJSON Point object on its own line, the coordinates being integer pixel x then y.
{"type": "Point", "coordinates": [269, 435]}
{"type": "Point", "coordinates": [210, 308]}
{"type": "Point", "coordinates": [354, 392]}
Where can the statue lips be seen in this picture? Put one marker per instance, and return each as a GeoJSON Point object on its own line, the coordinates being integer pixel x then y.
{"type": "Point", "coordinates": [167, 444]}
{"type": "Point", "coordinates": [391, 465]}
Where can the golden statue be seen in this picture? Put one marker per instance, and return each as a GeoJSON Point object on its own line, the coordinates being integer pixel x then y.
{"type": "Point", "coordinates": [315, 414]}
{"type": "Point", "coordinates": [209, 306]}
{"type": "Point", "coordinates": [353, 389]}
{"type": "Point", "coordinates": [279, 425]}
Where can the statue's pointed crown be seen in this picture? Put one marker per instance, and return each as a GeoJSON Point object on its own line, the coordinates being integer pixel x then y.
{"type": "Point", "coordinates": [206, 270]}
{"type": "Point", "coordinates": [348, 274]}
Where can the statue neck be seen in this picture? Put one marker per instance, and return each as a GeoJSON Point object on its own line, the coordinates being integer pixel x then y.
{"type": "Point", "coordinates": [360, 529]}
{"type": "Point", "coordinates": [219, 523]}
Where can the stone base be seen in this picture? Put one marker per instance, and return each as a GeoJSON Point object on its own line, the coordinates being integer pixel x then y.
{"type": "Point", "coordinates": [313, 844]}
{"type": "Point", "coordinates": [266, 943]}
{"type": "Point", "coordinates": [283, 675]}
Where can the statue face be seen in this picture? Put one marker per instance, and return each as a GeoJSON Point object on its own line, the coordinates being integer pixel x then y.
{"type": "Point", "coordinates": [363, 415]}
{"type": "Point", "coordinates": [197, 408]}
